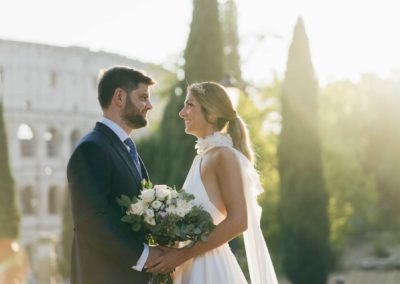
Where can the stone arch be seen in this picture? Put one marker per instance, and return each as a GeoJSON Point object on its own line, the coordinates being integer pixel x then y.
{"type": "Point", "coordinates": [28, 200]}
{"type": "Point", "coordinates": [52, 139]}
{"type": "Point", "coordinates": [27, 140]}
{"type": "Point", "coordinates": [53, 200]}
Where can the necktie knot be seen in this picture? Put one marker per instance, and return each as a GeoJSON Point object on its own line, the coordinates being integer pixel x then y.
{"type": "Point", "coordinates": [129, 142]}
{"type": "Point", "coordinates": [134, 154]}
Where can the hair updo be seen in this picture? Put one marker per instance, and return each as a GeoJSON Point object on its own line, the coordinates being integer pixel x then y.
{"type": "Point", "coordinates": [214, 99]}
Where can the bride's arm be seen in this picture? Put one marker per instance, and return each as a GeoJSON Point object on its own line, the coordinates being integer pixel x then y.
{"type": "Point", "coordinates": [227, 170]}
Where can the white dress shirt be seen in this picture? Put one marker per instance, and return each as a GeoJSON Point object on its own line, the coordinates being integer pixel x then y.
{"type": "Point", "coordinates": [122, 135]}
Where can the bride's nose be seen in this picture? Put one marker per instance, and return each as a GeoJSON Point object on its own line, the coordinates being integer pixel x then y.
{"type": "Point", "coordinates": [182, 113]}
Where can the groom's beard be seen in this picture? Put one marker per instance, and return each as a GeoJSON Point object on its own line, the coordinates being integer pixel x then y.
{"type": "Point", "coordinates": [132, 116]}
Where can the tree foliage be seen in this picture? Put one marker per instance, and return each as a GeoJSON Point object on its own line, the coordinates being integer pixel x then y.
{"type": "Point", "coordinates": [382, 151]}
{"type": "Point", "coordinates": [204, 50]}
{"type": "Point", "coordinates": [169, 152]}
{"type": "Point", "coordinates": [264, 121]}
{"type": "Point", "coordinates": [304, 200]}
{"type": "Point", "coordinates": [345, 116]}
{"type": "Point", "coordinates": [9, 216]}
{"type": "Point", "coordinates": [231, 41]}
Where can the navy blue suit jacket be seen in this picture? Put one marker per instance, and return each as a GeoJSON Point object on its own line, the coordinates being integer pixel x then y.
{"type": "Point", "coordinates": [104, 248]}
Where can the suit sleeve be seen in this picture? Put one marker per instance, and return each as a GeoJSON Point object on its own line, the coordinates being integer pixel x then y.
{"type": "Point", "coordinates": [89, 175]}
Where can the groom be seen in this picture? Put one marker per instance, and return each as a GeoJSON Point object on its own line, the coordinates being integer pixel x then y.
{"type": "Point", "coordinates": [105, 165]}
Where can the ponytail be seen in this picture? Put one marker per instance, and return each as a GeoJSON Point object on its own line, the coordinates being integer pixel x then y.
{"type": "Point", "coordinates": [237, 129]}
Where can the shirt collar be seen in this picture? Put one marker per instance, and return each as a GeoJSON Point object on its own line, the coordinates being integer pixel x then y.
{"type": "Point", "coordinates": [122, 135]}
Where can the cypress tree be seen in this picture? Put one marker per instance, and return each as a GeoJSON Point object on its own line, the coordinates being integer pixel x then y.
{"type": "Point", "coordinates": [169, 152]}
{"type": "Point", "coordinates": [303, 203]}
{"type": "Point", "coordinates": [9, 217]}
{"type": "Point", "coordinates": [204, 50]}
{"type": "Point", "coordinates": [231, 41]}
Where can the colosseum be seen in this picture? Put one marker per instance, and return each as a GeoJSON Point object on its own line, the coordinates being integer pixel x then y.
{"type": "Point", "coordinates": [50, 101]}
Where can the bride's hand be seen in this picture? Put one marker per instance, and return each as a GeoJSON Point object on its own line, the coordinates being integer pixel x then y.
{"type": "Point", "coordinates": [167, 261]}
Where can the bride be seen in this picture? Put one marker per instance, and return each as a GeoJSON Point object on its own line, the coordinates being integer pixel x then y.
{"type": "Point", "coordinates": [223, 181]}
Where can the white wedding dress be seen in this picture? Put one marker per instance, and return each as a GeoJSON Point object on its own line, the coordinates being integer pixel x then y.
{"type": "Point", "coordinates": [219, 266]}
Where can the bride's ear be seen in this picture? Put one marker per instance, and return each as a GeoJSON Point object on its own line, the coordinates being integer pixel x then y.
{"type": "Point", "coordinates": [212, 118]}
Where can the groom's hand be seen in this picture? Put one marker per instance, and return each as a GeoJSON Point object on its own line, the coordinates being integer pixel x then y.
{"type": "Point", "coordinates": [154, 253]}
{"type": "Point", "coordinates": [167, 261]}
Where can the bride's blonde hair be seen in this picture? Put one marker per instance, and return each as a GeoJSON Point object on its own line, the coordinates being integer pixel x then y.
{"type": "Point", "coordinates": [214, 99]}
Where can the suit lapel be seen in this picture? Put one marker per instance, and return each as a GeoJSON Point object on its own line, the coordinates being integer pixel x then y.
{"type": "Point", "coordinates": [145, 174]}
{"type": "Point", "coordinates": [120, 148]}
{"type": "Point", "coordinates": [123, 152]}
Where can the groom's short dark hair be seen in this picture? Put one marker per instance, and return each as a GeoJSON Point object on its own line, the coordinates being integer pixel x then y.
{"type": "Point", "coordinates": [124, 77]}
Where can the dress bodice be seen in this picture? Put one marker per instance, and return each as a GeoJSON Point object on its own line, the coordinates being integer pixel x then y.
{"type": "Point", "coordinates": [194, 183]}
{"type": "Point", "coordinates": [195, 186]}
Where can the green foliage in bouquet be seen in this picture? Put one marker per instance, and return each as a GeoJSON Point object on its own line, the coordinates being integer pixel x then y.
{"type": "Point", "coordinates": [166, 215]}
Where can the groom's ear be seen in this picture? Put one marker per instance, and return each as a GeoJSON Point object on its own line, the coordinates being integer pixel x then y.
{"type": "Point", "coordinates": [119, 97]}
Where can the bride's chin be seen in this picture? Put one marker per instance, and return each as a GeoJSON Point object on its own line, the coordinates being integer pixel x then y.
{"type": "Point", "coordinates": [189, 132]}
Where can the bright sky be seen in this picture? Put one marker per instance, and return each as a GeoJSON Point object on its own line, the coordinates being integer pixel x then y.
{"type": "Point", "coordinates": [347, 37]}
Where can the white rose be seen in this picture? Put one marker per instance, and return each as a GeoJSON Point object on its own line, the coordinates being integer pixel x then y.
{"type": "Point", "coordinates": [148, 195]}
{"type": "Point", "coordinates": [174, 193]}
{"type": "Point", "coordinates": [184, 205]}
{"type": "Point", "coordinates": [180, 212]}
{"type": "Point", "coordinates": [171, 209]}
{"type": "Point", "coordinates": [188, 208]}
{"type": "Point", "coordinates": [136, 208]}
{"type": "Point", "coordinates": [161, 186]}
{"type": "Point", "coordinates": [149, 213]}
{"type": "Point", "coordinates": [145, 206]}
{"type": "Point", "coordinates": [156, 204]}
{"type": "Point", "coordinates": [150, 220]}
{"type": "Point", "coordinates": [181, 203]}
{"type": "Point", "coordinates": [162, 191]}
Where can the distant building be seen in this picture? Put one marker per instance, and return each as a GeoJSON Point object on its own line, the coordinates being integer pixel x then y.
{"type": "Point", "coordinates": [50, 101]}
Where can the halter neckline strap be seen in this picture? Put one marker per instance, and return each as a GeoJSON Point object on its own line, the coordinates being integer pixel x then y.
{"type": "Point", "coordinates": [217, 139]}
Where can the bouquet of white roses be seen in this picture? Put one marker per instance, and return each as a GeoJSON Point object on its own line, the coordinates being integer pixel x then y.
{"type": "Point", "coordinates": [166, 215]}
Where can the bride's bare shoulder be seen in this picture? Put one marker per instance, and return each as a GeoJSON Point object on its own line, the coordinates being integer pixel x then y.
{"type": "Point", "coordinates": [223, 158]}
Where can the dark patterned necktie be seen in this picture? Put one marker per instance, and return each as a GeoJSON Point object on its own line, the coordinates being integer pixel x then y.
{"type": "Point", "coordinates": [134, 154]}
